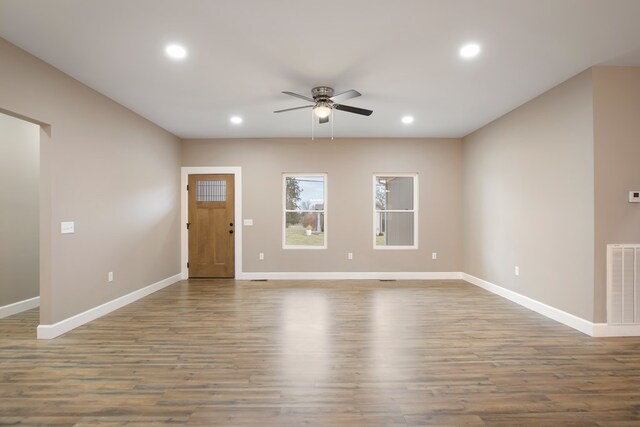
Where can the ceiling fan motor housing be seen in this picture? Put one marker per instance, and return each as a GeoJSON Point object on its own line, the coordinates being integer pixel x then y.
{"type": "Point", "coordinates": [322, 93]}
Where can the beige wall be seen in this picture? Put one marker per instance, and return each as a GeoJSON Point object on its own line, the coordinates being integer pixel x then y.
{"type": "Point", "coordinates": [522, 190]}
{"type": "Point", "coordinates": [616, 93]}
{"type": "Point", "coordinates": [112, 172]}
{"type": "Point", "coordinates": [529, 197]}
{"type": "Point", "coordinates": [19, 212]}
{"type": "Point", "coordinates": [350, 164]}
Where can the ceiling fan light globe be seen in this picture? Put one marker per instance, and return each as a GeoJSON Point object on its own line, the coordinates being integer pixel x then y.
{"type": "Point", "coordinates": [322, 111]}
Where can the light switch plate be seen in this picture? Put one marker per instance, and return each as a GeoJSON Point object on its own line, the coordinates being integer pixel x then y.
{"type": "Point", "coordinates": [67, 227]}
{"type": "Point", "coordinates": [634, 196]}
{"type": "Point", "coordinates": [248, 222]}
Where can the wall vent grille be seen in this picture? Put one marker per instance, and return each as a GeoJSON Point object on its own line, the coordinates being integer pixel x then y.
{"type": "Point", "coordinates": [623, 287]}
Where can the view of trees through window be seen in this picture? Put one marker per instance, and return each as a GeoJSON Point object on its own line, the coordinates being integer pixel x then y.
{"type": "Point", "coordinates": [304, 211]}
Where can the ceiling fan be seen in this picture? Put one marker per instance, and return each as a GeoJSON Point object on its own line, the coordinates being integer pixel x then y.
{"type": "Point", "coordinates": [324, 101]}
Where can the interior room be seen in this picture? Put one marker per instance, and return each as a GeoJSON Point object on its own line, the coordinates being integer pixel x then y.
{"type": "Point", "coordinates": [239, 212]}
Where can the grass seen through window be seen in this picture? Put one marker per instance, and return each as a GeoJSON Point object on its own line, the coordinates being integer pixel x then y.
{"type": "Point", "coordinates": [297, 235]}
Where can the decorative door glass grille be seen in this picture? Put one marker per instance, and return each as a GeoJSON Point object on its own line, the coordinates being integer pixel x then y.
{"type": "Point", "coordinates": [211, 191]}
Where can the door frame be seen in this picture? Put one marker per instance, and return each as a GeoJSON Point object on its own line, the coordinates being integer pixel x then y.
{"type": "Point", "coordinates": [47, 226]}
{"type": "Point", "coordinates": [236, 171]}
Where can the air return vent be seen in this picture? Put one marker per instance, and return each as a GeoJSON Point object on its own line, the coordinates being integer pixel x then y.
{"type": "Point", "coordinates": [623, 287]}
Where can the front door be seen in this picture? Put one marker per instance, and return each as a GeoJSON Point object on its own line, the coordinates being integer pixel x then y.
{"type": "Point", "coordinates": [211, 226]}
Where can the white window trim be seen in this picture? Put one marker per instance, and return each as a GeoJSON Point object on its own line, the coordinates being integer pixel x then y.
{"type": "Point", "coordinates": [284, 211]}
{"type": "Point", "coordinates": [415, 211]}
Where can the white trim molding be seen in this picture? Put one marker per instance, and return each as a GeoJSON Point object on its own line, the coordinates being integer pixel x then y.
{"type": "Point", "coordinates": [558, 315]}
{"type": "Point", "coordinates": [415, 210]}
{"type": "Point", "coordinates": [184, 204]}
{"type": "Point", "coordinates": [352, 275]}
{"type": "Point", "coordinates": [575, 322]}
{"type": "Point", "coordinates": [19, 307]}
{"type": "Point", "coordinates": [582, 325]}
{"type": "Point", "coordinates": [615, 330]}
{"type": "Point", "coordinates": [51, 331]}
{"type": "Point", "coordinates": [323, 211]}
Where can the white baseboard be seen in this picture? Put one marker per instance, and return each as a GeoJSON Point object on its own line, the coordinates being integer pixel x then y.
{"type": "Point", "coordinates": [351, 275]}
{"type": "Point", "coordinates": [63, 326]}
{"type": "Point", "coordinates": [19, 307]}
{"type": "Point", "coordinates": [556, 314]}
{"type": "Point", "coordinates": [582, 325]}
{"type": "Point", "coordinates": [575, 322]}
{"type": "Point", "coordinates": [609, 330]}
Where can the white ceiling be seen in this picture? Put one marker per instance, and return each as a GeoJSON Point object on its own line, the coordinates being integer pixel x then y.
{"type": "Point", "coordinates": [401, 55]}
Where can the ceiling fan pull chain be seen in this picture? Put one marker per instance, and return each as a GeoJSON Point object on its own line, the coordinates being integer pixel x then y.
{"type": "Point", "coordinates": [332, 124]}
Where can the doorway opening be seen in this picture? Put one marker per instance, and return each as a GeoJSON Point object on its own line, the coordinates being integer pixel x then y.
{"type": "Point", "coordinates": [19, 217]}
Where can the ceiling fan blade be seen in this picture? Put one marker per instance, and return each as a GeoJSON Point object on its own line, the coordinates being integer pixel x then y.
{"type": "Point", "coordinates": [324, 120]}
{"type": "Point", "coordinates": [291, 109]}
{"type": "Point", "coordinates": [345, 95]}
{"type": "Point", "coordinates": [306, 98]}
{"type": "Point", "coordinates": [351, 109]}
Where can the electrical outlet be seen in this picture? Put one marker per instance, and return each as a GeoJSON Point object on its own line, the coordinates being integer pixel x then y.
{"type": "Point", "coordinates": [350, 255]}
{"type": "Point", "coordinates": [517, 270]}
{"type": "Point", "coordinates": [110, 276]}
{"type": "Point", "coordinates": [261, 256]}
{"type": "Point", "coordinates": [434, 255]}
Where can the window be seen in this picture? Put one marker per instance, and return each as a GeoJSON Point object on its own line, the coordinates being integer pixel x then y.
{"type": "Point", "coordinates": [211, 191]}
{"type": "Point", "coordinates": [395, 211]}
{"type": "Point", "coordinates": [305, 218]}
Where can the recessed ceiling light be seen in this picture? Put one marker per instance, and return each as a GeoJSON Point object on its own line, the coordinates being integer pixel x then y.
{"type": "Point", "coordinates": [407, 120]}
{"type": "Point", "coordinates": [176, 51]}
{"type": "Point", "coordinates": [470, 50]}
{"type": "Point", "coordinates": [236, 120]}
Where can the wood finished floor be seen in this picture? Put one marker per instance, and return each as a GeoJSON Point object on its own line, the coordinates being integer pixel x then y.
{"type": "Point", "coordinates": [314, 353]}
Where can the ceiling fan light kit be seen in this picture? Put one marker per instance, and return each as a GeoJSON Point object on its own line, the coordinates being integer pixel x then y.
{"type": "Point", "coordinates": [322, 110]}
{"type": "Point", "coordinates": [324, 102]}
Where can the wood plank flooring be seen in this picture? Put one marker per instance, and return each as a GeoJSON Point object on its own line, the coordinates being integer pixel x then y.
{"type": "Point", "coordinates": [315, 353]}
